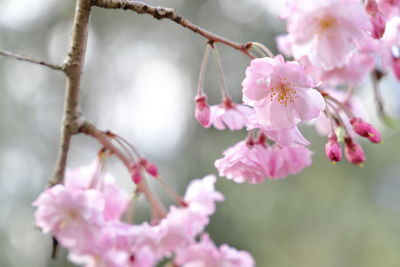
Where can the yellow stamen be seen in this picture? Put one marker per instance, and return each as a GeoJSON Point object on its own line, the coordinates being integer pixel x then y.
{"type": "Point", "coordinates": [324, 24]}
{"type": "Point", "coordinates": [361, 165]}
{"type": "Point", "coordinates": [284, 93]}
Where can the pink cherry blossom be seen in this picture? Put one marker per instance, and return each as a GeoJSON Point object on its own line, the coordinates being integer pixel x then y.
{"type": "Point", "coordinates": [287, 137]}
{"type": "Point", "coordinates": [280, 93]}
{"type": "Point", "coordinates": [206, 254]}
{"type": "Point", "coordinates": [179, 229]}
{"type": "Point", "coordinates": [229, 114]}
{"type": "Point", "coordinates": [365, 129]}
{"type": "Point", "coordinates": [149, 167]}
{"type": "Point", "coordinates": [384, 48]}
{"type": "Point", "coordinates": [182, 224]}
{"type": "Point", "coordinates": [333, 149]}
{"type": "Point", "coordinates": [91, 176]}
{"type": "Point", "coordinates": [202, 111]}
{"type": "Point", "coordinates": [72, 216]}
{"type": "Point", "coordinates": [201, 195]}
{"type": "Point", "coordinates": [389, 8]}
{"type": "Point", "coordinates": [85, 176]}
{"type": "Point", "coordinates": [116, 200]}
{"type": "Point", "coordinates": [377, 20]}
{"type": "Point", "coordinates": [326, 31]}
{"type": "Point", "coordinates": [75, 212]}
{"type": "Point", "coordinates": [107, 258]}
{"type": "Point", "coordinates": [136, 173]}
{"type": "Point", "coordinates": [354, 152]}
{"type": "Point", "coordinates": [283, 161]}
{"type": "Point", "coordinates": [115, 246]}
{"type": "Point", "coordinates": [379, 24]}
{"type": "Point", "coordinates": [243, 162]}
{"type": "Point", "coordinates": [281, 137]}
{"type": "Point", "coordinates": [284, 44]}
{"type": "Point", "coordinates": [360, 64]}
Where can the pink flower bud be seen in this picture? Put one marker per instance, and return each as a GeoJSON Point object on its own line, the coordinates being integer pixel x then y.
{"type": "Point", "coordinates": [354, 152]}
{"type": "Point", "coordinates": [149, 167]}
{"type": "Point", "coordinates": [135, 174]}
{"type": "Point", "coordinates": [371, 7]}
{"type": "Point", "coordinates": [377, 20]}
{"type": "Point", "coordinates": [366, 130]}
{"type": "Point", "coordinates": [396, 67]}
{"type": "Point", "coordinates": [378, 26]}
{"type": "Point", "coordinates": [333, 149]}
{"type": "Point", "coordinates": [202, 111]}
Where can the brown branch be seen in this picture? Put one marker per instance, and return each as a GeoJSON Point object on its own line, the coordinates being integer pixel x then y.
{"type": "Point", "coordinates": [72, 118]}
{"type": "Point", "coordinates": [89, 129]}
{"type": "Point", "coordinates": [376, 76]}
{"type": "Point", "coordinates": [31, 60]}
{"type": "Point", "coordinates": [168, 13]}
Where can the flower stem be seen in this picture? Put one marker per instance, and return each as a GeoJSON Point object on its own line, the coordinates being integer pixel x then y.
{"type": "Point", "coordinates": [221, 76]}
{"type": "Point", "coordinates": [203, 67]}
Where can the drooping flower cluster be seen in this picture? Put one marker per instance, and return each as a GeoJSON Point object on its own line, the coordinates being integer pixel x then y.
{"type": "Point", "coordinates": [85, 216]}
{"type": "Point", "coordinates": [255, 161]}
{"type": "Point", "coordinates": [333, 42]}
{"type": "Point", "coordinates": [281, 94]}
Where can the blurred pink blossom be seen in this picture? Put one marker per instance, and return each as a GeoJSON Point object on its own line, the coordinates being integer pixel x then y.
{"type": "Point", "coordinates": [206, 254]}
{"type": "Point", "coordinates": [326, 31]}
{"type": "Point", "coordinates": [283, 161]}
{"type": "Point", "coordinates": [229, 114]}
{"type": "Point", "coordinates": [243, 162]}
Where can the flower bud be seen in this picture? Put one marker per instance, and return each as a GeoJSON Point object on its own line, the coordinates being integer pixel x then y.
{"type": "Point", "coordinates": [202, 111]}
{"type": "Point", "coordinates": [371, 7]}
{"type": "Point", "coordinates": [354, 152]}
{"type": "Point", "coordinates": [378, 26]}
{"type": "Point", "coordinates": [366, 130]}
{"type": "Point", "coordinates": [136, 175]}
{"type": "Point", "coordinates": [149, 167]}
{"type": "Point", "coordinates": [377, 20]}
{"type": "Point", "coordinates": [333, 149]}
{"type": "Point", "coordinates": [396, 67]}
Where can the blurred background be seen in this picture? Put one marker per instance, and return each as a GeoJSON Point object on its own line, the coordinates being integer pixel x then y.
{"type": "Point", "coordinates": [139, 81]}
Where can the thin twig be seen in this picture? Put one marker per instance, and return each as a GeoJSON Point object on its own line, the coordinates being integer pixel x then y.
{"type": "Point", "coordinates": [221, 76]}
{"type": "Point", "coordinates": [72, 118]}
{"type": "Point", "coordinates": [31, 60]}
{"type": "Point", "coordinates": [340, 105]}
{"type": "Point", "coordinates": [376, 76]}
{"type": "Point", "coordinates": [203, 67]}
{"type": "Point", "coordinates": [91, 130]}
{"type": "Point", "coordinates": [168, 13]}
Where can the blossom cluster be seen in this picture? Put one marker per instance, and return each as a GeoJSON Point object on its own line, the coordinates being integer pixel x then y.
{"type": "Point", "coordinates": [85, 215]}
{"type": "Point", "coordinates": [334, 45]}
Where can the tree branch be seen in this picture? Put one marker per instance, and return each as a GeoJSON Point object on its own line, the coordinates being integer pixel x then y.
{"type": "Point", "coordinates": [31, 60]}
{"type": "Point", "coordinates": [72, 118]}
{"type": "Point", "coordinates": [168, 13]}
{"type": "Point", "coordinates": [91, 130]}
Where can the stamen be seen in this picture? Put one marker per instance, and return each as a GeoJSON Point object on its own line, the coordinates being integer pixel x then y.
{"type": "Point", "coordinates": [324, 24]}
{"type": "Point", "coordinates": [284, 93]}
